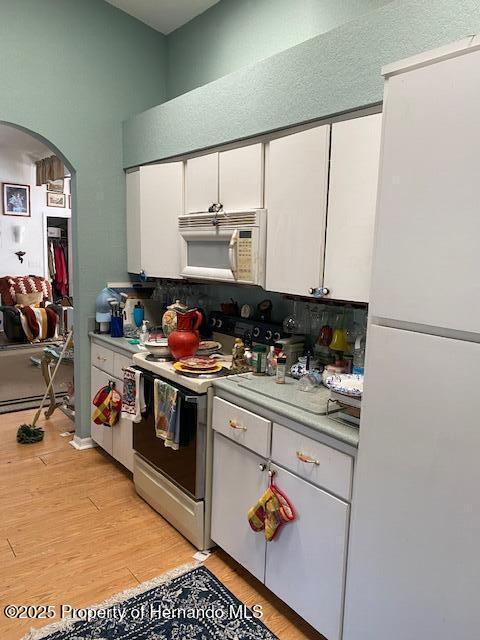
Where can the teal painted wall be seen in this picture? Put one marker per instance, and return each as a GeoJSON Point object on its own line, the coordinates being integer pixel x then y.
{"type": "Point", "coordinates": [331, 73]}
{"type": "Point", "coordinates": [235, 33]}
{"type": "Point", "coordinates": [71, 71]}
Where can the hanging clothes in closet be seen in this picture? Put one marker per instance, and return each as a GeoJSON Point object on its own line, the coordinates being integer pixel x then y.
{"type": "Point", "coordinates": [51, 261]}
{"type": "Point", "coordinates": [60, 278]}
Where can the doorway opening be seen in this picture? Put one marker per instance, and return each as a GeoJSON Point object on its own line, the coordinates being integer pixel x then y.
{"type": "Point", "coordinates": [36, 269]}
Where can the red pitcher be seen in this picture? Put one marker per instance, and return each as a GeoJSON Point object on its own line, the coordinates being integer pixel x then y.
{"type": "Point", "coordinates": [184, 341]}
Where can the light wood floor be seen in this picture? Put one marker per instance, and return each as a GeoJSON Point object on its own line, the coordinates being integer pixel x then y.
{"type": "Point", "coordinates": [73, 531]}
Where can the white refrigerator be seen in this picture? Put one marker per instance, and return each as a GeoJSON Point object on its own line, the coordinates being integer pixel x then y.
{"type": "Point", "coordinates": [413, 569]}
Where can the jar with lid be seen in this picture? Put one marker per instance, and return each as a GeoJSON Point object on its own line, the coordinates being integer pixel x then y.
{"type": "Point", "coordinates": [281, 369]}
{"type": "Point", "coordinates": [259, 359]}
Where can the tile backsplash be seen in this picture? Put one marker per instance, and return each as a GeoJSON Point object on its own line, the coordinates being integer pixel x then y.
{"type": "Point", "coordinates": [311, 315]}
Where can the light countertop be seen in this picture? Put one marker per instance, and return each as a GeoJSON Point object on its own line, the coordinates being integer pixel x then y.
{"type": "Point", "coordinates": [284, 400]}
{"type": "Point", "coordinates": [117, 344]}
{"type": "Point", "coordinates": [163, 369]}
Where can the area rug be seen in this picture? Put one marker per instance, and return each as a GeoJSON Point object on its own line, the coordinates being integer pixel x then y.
{"type": "Point", "coordinates": [188, 603]}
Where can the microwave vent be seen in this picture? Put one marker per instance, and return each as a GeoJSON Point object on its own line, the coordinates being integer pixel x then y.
{"type": "Point", "coordinates": [209, 220]}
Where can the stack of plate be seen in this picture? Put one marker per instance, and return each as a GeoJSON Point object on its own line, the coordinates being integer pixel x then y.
{"type": "Point", "coordinates": [347, 390]}
{"type": "Point", "coordinates": [197, 366]}
{"type": "Point", "coordinates": [208, 347]}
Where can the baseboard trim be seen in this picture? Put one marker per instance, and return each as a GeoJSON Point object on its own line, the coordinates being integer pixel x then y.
{"type": "Point", "coordinates": [82, 443]}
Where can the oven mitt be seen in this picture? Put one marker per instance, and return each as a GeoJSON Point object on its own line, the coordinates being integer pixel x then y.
{"type": "Point", "coordinates": [271, 511]}
{"type": "Point", "coordinates": [256, 515]}
{"type": "Point", "coordinates": [108, 404]}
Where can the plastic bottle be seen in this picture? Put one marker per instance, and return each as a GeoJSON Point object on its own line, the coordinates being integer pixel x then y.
{"type": "Point", "coordinates": [359, 356]}
{"type": "Point", "coordinates": [144, 333]}
{"type": "Point", "coordinates": [271, 362]}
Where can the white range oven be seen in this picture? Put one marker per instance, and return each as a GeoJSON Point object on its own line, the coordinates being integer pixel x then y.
{"type": "Point", "coordinates": [225, 246]}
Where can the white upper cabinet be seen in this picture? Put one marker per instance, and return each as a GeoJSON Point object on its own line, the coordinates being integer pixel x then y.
{"type": "Point", "coordinates": [132, 180]}
{"type": "Point", "coordinates": [201, 183]}
{"type": "Point", "coordinates": [234, 178]}
{"type": "Point", "coordinates": [354, 162]}
{"type": "Point", "coordinates": [426, 254]}
{"type": "Point", "coordinates": [241, 178]}
{"type": "Point", "coordinates": [161, 202]}
{"type": "Point", "coordinates": [296, 198]}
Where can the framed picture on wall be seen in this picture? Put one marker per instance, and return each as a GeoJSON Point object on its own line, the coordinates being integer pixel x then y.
{"type": "Point", "coordinates": [56, 186]}
{"type": "Point", "coordinates": [56, 200]}
{"type": "Point", "coordinates": [16, 199]}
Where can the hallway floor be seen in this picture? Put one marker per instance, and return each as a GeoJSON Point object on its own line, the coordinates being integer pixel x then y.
{"type": "Point", "coordinates": [73, 531]}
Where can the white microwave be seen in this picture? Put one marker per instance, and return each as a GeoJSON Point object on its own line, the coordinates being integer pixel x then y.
{"type": "Point", "coordinates": [224, 246]}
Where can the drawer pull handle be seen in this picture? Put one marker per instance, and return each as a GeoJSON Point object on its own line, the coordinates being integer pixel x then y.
{"type": "Point", "coordinates": [234, 425]}
{"type": "Point", "coordinates": [102, 359]}
{"type": "Point", "coordinates": [307, 459]}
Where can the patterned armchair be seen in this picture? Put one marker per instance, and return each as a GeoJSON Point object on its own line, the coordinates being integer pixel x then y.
{"type": "Point", "coordinates": [10, 286]}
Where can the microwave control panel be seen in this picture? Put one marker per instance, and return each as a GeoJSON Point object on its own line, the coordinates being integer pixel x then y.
{"type": "Point", "coordinates": [244, 256]}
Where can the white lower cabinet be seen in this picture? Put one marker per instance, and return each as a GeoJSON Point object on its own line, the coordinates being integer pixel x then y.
{"type": "Point", "coordinates": [116, 440]}
{"type": "Point", "coordinates": [122, 437]}
{"type": "Point", "coordinates": [100, 433]}
{"type": "Point", "coordinates": [239, 479]}
{"type": "Point", "coordinates": [305, 564]}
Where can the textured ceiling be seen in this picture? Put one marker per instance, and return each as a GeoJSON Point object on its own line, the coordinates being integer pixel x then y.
{"type": "Point", "coordinates": [163, 15]}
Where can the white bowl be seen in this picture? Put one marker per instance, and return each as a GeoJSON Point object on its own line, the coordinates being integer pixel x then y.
{"type": "Point", "coordinates": [158, 348]}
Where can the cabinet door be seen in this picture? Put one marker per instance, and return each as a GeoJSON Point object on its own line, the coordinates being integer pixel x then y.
{"type": "Point", "coordinates": [101, 434]}
{"type": "Point", "coordinates": [238, 482]}
{"type": "Point", "coordinates": [413, 562]}
{"type": "Point", "coordinates": [241, 178]}
{"type": "Point", "coordinates": [426, 253]}
{"type": "Point", "coordinates": [201, 183]}
{"type": "Point", "coordinates": [354, 161]}
{"type": "Point", "coordinates": [306, 561]}
{"type": "Point", "coordinates": [161, 198]}
{"type": "Point", "coordinates": [132, 181]}
{"type": "Point", "coordinates": [122, 438]}
{"type": "Point", "coordinates": [296, 197]}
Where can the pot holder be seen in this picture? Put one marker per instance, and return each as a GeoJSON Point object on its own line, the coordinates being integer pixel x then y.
{"type": "Point", "coordinates": [271, 511]}
{"type": "Point", "coordinates": [108, 404]}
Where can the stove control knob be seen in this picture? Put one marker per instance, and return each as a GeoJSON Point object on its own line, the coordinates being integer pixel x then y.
{"type": "Point", "coordinates": [268, 334]}
{"type": "Point", "coordinates": [213, 322]}
{"type": "Point", "coordinates": [219, 323]}
{"type": "Point", "coordinates": [256, 332]}
{"type": "Point", "coordinates": [276, 336]}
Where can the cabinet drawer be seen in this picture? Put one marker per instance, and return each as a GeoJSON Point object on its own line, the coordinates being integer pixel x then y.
{"type": "Point", "coordinates": [119, 364]}
{"type": "Point", "coordinates": [316, 462]}
{"type": "Point", "coordinates": [242, 426]}
{"type": "Point", "coordinates": [102, 358]}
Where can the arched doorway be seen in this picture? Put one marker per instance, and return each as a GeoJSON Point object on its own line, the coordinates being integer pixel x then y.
{"type": "Point", "coordinates": [25, 235]}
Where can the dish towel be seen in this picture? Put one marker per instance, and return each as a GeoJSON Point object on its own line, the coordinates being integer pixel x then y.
{"type": "Point", "coordinates": [167, 416]}
{"type": "Point", "coordinates": [133, 402]}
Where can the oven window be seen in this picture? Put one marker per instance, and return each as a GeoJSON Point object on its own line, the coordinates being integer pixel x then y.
{"type": "Point", "coordinates": [208, 253]}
